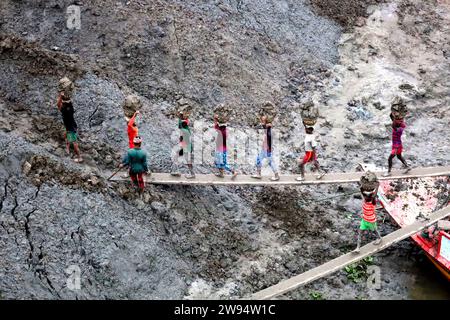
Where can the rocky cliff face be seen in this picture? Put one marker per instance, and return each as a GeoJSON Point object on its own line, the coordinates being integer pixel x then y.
{"type": "Point", "coordinates": [177, 242]}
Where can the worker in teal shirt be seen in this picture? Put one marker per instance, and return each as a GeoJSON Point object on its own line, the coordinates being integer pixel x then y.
{"type": "Point", "coordinates": [136, 161]}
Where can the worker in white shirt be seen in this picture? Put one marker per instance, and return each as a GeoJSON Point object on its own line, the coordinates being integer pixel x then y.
{"type": "Point", "coordinates": [310, 154]}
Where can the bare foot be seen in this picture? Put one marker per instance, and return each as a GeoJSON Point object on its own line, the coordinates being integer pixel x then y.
{"type": "Point", "coordinates": [320, 175]}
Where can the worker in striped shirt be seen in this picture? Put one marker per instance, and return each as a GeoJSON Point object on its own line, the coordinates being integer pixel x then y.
{"type": "Point", "coordinates": [397, 147]}
{"type": "Point", "coordinates": [369, 220]}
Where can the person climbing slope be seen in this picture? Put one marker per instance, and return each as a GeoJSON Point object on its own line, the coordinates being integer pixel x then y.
{"type": "Point", "coordinates": [65, 106]}
{"type": "Point", "coordinates": [186, 148]}
{"type": "Point", "coordinates": [368, 220]}
{"type": "Point", "coordinates": [398, 127]}
{"type": "Point", "coordinates": [310, 154]}
{"type": "Point", "coordinates": [221, 161]}
{"type": "Point", "coordinates": [132, 129]}
{"type": "Point", "coordinates": [267, 150]}
{"type": "Point", "coordinates": [136, 160]}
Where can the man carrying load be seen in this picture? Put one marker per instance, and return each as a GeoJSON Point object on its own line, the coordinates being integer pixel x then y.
{"type": "Point", "coordinates": [368, 221]}
{"type": "Point", "coordinates": [398, 112]}
{"type": "Point", "coordinates": [66, 108]}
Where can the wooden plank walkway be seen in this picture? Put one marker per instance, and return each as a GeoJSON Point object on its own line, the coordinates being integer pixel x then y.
{"type": "Point", "coordinates": [210, 179]}
{"type": "Point", "coordinates": [349, 258]}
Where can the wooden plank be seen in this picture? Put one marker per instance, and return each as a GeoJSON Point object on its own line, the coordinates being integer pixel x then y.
{"type": "Point", "coordinates": [350, 177]}
{"type": "Point", "coordinates": [349, 258]}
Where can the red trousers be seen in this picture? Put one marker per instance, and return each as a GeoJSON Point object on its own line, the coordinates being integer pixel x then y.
{"type": "Point", "coordinates": [310, 156]}
{"type": "Point", "coordinates": [138, 179]}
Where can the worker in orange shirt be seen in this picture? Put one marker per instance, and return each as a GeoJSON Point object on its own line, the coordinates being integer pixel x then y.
{"type": "Point", "coordinates": [132, 129]}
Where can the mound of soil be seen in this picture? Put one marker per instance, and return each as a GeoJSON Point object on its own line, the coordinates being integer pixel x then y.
{"type": "Point", "coordinates": [344, 12]}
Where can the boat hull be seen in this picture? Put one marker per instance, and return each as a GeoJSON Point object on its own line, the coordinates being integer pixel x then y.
{"type": "Point", "coordinates": [439, 266]}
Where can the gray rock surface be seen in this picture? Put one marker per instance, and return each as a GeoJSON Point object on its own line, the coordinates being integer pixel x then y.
{"type": "Point", "coordinates": [200, 242]}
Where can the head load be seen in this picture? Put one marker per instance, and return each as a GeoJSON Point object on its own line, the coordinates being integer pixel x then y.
{"type": "Point", "coordinates": [66, 88]}
{"type": "Point", "coordinates": [369, 183]}
{"type": "Point", "coordinates": [223, 112]}
{"type": "Point", "coordinates": [398, 108]}
{"type": "Point", "coordinates": [268, 111]}
{"type": "Point", "coordinates": [132, 104]}
{"type": "Point", "coordinates": [309, 113]}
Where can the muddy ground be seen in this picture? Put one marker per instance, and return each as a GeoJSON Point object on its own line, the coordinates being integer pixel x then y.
{"type": "Point", "coordinates": [207, 242]}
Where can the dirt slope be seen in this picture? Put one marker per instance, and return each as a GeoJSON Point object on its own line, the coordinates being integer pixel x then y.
{"type": "Point", "coordinates": [201, 242]}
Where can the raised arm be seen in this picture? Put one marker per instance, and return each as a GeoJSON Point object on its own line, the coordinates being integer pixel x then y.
{"type": "Point", "coordinates": [133, 118]}
{"type": "Point", "coordinates": [216, 122]}
{"type": "Point", "coordinates": [269, 137]}
{"type": "Point", "coordinates": [59, 102]}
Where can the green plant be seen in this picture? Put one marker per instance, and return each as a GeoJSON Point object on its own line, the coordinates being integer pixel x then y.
{"type": "Point", "coordinates": [316, 295]}
{"type": "Point", "coordinates": [358, 271]}
{"type": "Point", "coordinates": [368, 260]}
{"type": "Point", "coordinates": [355, 272]}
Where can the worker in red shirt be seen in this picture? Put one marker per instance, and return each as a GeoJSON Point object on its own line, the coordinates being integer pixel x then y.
{"type": "Point", "coordinates": [369, 220]}
{"type": "Point", "coordinates": [132, 129]}
{"type": "Point", "coordinates": [221, 156]}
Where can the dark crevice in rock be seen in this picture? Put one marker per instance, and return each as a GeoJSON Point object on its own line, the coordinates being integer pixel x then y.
{"type": "Point", "coordinates": [93, 114]}
{"type": "Point", "coordinates": [3, 225]}
{"type": "Point", "coordinates": [5, 194]}
{"type": "Point", "coordinates": [44, 277]}
{"type": "Point", "coordinates": [29, 237]}
{"type": "Point", "coordinates": [37, 192]}
{"type": "Point", "coordinates": [17, 242]}
{"type": "Point", "coordinates": [13, 210]}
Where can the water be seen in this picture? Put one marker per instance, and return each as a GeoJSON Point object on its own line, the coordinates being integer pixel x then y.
{"type": "Point", "coordinates": [429, 284]}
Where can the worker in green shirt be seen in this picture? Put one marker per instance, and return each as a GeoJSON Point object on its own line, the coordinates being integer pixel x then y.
{"type": "Point", "coordinates": [186, 150]}
{"type": "Point", "coordinates": [136, 161]}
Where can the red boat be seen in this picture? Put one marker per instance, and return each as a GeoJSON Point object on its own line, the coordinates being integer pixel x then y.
{"type": "Point", "coordinates": [417, 202]}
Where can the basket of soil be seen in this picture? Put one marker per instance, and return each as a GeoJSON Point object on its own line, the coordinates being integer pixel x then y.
{"type": "Point", "coordinates": [66, 87]}
{"type": "Point", "coordinates": [131, 105]}
{"type": "Point", "coordinates": [398, 108]}
{"type": "Point", "coordinates": [309, 113]}
{"type": "Point", "coordinates": [369, 182]}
